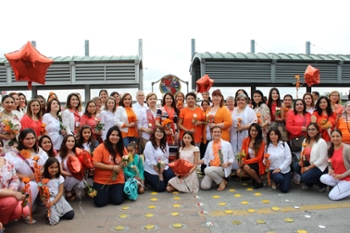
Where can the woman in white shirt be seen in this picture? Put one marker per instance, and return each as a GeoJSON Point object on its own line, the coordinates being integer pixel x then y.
{"type": "Point", "coordinates": [157, 171]}
{"type": "Point", "coordinates": [280, 159]}
{"type": "Point", "coordinates": [107, 116]}
{"type": "Point", "coordinates": [53, 123]}
{"type": "Point", "coordinates": [72, 115]}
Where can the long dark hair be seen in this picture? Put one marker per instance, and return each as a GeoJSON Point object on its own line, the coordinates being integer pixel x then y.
{"type": "Point", "coordinates": [119, 149]}
{"type": "Point", "coordinates": [331, 148]}
{"type": "Point", "coordinates": [51, 152]}
{"type": "Point", "coordinates": [259, 137]}
{"type": "Point", "coordinates": [295, 103]}
{"type": "Point", "coordinates": [318, 136]}
{"type": "Point", "coordinates": [91, 140]}
{"type": "Point", "coordinates": [64, 148]}
{"type": "Point", "coordinates": [173, 104]}
{"type": "Point", "coordinates": [47, 164]}
{"type": "Point", "coordinates": [256, 105]}
{"type": "Point", "coordinates": [276, 131]}
{"type": "Point", "coordinates": [48, 106]}
{"type": "Point", "coordinates": [87, 106]}
{"type": "Point", "coordinates": [328, 109]}
{"type": "Point", "coordinates": [269, 100]}
{"type": "Point", "coordinates": [22, 136]}
{"type": "Point", "coordinates": [191, 135]}
{"type": "Point", "coordinates": [162, 143]}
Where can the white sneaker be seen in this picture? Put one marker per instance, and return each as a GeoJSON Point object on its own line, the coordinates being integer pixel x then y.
{"type": "Point", "coordinates": [28, 221]}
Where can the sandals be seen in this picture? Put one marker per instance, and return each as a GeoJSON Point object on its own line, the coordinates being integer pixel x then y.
{"type": "Point", "coordinates": [70, 196]}
{"type": "Point", "coordinates": [222, 185]}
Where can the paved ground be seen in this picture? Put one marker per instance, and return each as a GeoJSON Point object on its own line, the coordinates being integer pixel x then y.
{"type": "Point", "coordinates": [237, 209]}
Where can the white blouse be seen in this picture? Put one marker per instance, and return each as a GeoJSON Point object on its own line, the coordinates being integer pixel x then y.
{"type": "Point", "coordinates": [280, 156]}
{"type": "Point", "coordinates": [107, 118]}
{"type": "Point", "coordinates": [53, 130]}
{"type": "Point", "coordinates": [153, 155]}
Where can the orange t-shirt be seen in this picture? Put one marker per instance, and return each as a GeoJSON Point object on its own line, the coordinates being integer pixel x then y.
{"type": "Point", "coordinates": [101, 176]}
{"type": "Point", "coordinates": [344, 127]}
{"type": "Point", "coordinates": [132, 131]}
{"type": "Point", "coordinates": [187, 116]}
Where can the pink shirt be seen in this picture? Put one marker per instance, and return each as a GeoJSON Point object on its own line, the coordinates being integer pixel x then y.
{"type": "Point", "coordinates": [338, 163]}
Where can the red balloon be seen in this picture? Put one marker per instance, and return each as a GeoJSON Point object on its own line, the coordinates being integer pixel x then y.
{"type": "Point", "coordinates": [312, 76]}
{"type": "Point", "coordinates": [204, 83]}
{"type": "Point", "coordinates": [29, 65]}
{"type": "Point", "coordinates": [181, 167]}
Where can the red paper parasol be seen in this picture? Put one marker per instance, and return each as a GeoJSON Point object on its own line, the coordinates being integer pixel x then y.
{"type": "Point", "coordinates": [312, 76]}
{"type": "Point", "coordinates": [204, 83]}
{"type": "Point", "coordinates": [181, 167]}
{"type": "Point", "coordinates": [29, 65]}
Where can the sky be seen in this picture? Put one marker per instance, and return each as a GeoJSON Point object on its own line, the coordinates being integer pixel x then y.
{"type": "Point", "coordinates": [166, 28]}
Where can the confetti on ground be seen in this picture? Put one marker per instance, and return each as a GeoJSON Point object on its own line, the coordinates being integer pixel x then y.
{"type": "Point", "coordinates": [200, 204]}
{"type": "Point", "coordinates": [154, 199]}
{"type": "Point", "coordinates": [244, 203]}
{"type": "Point", "coordinates": [175, 213]}
{"type": "Point", "coordinates": [197, 197]}
{"type": "Point", "coordinates": [245, 184]}
{"type": "Point", "coordinates": [236, 222]}
{"type": "Point", "coordinates": [177, 225]}
{"type": "Point", "coordinates": [296, 207]}
{"type": "Point", "coordinates": [175, 192]}
{"type": "Point", "coordinates": [237, 195]}
{"type": "Point", "coordinates": [307, 216]}
{"type": "Point", "coordinates": [176, 205]}
{"type": "Point", "coordinates": [119, 228]}
{"type": "Point", "coordinates": [265, 201]}
{"type": "Point", "coordinates": [125, 207]}
{"type": "Point", "coordinates": [249, 189]}
{"type": "Point", "coordinates": [286, 200]}
{"type": "Point", "coordinates": [149, 215]}
{"type": "Point", "coordinates": [288, 220]}
{"type": "Point", "coordinates": [231, 190]}
{"type": "Point", "coordinates": [261, 221]}
{"type": "Point", "coordinates": [123, 216]}
{"type": "Point", "coordinates": [154, 193]}
{"type": "Point", "coordinates": [151, 207]}
{"type": "Point", "coordinates": [257, 194]}
{"type": "Point", "coordinates": [322, 226]}
{"type": "Point", "coordinates": [222, 203]}
{"type": "Point", "coordinates": [216, 196]}
{"type": "Point", "coordinates": [251, 210]}
{"type": "Point", "coordinates": [228, 212]}
{"type": "Point", "coordinates": [176, 198]}
{"type": "Point", "coordinates": [275, 208]}
{"type": "Point", "coordinates": [204, 212]}
{"type": "Point", "coordinates": [301, 231]}
{"type": "Point", "coordinates": [209, 224]}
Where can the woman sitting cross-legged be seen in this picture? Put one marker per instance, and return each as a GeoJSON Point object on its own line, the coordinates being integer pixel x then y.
{"type": "Point", "coordinates": [252, 166]}
{"type": "Point", "coordinates": [279, 157]}
{"type": "Point", "coordinates": [218, 158]}
{"type": "Point", "coordinates": [338, 168]}
{"type": "Point", "coordinates": [157, 171]}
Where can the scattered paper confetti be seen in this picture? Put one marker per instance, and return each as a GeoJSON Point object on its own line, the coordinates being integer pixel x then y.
{"type": "Point", "coordinates": [296, 207]}
{"type": "Point", "coordinates": [154, 193]}
{"type": "Point", "coordinates": [151, 207]}
{"type": "Point", "coordinates": [197, 197]}
{"type": "Point", "coordinates": [125, 207]}
{"type": "Point", "coordinates": [301, 231]}
{"type": "Point", "coordinates": [286, 200]}
{"type": "Point", "coordinates": [257, 194]}
{"type": "Point", "coordinates": [307, 216]}
{"type": "Point", "coordinates": [237, 195]}
{"type": "Point", "coordinates": [261, 221]}
{"type": "Point", "coordinates": [222, 203]}
{"type": "Point", "coordinates": [149, 227]}
{"type": "Point", "coordinates": [209, 224]}
{"type": "Point", "coordinates": [175, 192]}
{"type": "Point", "coordinates": [149, 215]}
{"type": "Point", "coordinates": [154, 199]}
{"type": "Point", "coordinates": [175, 213]}
{"type": "Point", "coordinates": [244, 203]}
{"type": "Point", "coordinates": [123, 216]}
{"type": "Point", "coordinates": [322, 226]}
{"type": "Point", "coordinates": [204, 212]}
{"type": "Point", "coordinates": [288, 220]}
{"type": "Point", "coordinates": [176, 198]}
{"type": "Point", "coordinates": [216, 196]}
{"type": "Point", "coordinates": [249, 189]}
{"type": "Point", "coordinates": [231, 190]}
{"type": "Point", "coordinates": [275, 208]}
{"type": "Point", "coordinates": [119, 228]}
{"type": "Point", "coordinates": [245, 184]}
{"type": "Point", "coordinates": [251, 210]}
{"type": "Point", "coordinates": [228, 212]}
{"type": "Point", "coordinates": [176, 205]}
{"type": "Point", "coordinates": [265, 201]}
{"type": "Point", "coordinates": [200, 204]}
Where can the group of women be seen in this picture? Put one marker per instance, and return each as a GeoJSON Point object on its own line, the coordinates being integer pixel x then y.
{"type": "Point", "coordinates": [302, 141]}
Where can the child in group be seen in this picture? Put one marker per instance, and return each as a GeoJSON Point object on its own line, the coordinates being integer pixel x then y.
{"type": "Point", "coordinates": [58, 206]}
{"type": "Point", "coordinates": [86, 140]}
{"type": "Point", "coordinates": [135, 168]}
{"type": "Point", "coordinates": [68, 149]}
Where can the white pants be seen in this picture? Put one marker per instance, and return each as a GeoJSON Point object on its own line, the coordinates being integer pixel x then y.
{"type": "Point", "coordinates": [215, 174]}
{"type": "Point", "coordinates": [34, 192]}
{"type": "Point", "coordinates": [340, 190]}
{"type": "Point", "coordinates": [72, 182]}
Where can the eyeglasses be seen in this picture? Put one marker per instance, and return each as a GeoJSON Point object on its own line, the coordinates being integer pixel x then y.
{"type": "Point", "coordinates": [312, 129]}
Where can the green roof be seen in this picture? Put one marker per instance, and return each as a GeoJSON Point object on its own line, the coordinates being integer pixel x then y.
{"type": "Point", "coordinates": [274, 56]}
{"type": "Point", "coordinates": [88, 59]}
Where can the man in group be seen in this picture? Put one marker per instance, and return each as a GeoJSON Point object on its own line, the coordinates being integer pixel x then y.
{"type": "Point", "coordinates": [140, 109]}
{"type": "Point", "coordinates": [315, 95]}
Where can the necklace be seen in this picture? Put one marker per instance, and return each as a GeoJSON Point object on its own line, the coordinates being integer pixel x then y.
{"type": "Point", "coordinates": [6, 113]}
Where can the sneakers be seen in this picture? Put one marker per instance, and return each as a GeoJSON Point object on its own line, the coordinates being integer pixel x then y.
{"type": "Point", "coordinates": [258, 185]}
{"type": "Point", "coordinates": [27, 220]}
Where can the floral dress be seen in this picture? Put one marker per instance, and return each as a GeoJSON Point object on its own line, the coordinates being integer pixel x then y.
{"type": "Point", "coordinates": [265, 117]}
{"type": "Point", "coordinates": [8, 177]}
{"type": "Point", "coordinates": [190, 184]}
{"type": "Point", "coordinates": [6, 120]}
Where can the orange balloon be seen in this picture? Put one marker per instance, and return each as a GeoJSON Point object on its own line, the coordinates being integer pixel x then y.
{"type": "Point", "coordinates": [28, 64]}
{"type": "Point", "coordinates": [204, 83]}
{"type": "Point", "coordinates": [312, 76]}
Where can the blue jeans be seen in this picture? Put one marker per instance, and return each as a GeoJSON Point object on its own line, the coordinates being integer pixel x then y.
{"type": "Point", "coordinates": [312, 176]}
{"type": "Point", "coordinates": [156, 184]}
{"type": "Point", "coordinates": [110, 193]}
{"type": "Point", "coordinates": [283, 180]}
{"type": "Point", "coordinates": [127, 140]}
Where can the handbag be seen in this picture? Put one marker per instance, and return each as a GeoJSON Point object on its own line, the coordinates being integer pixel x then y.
{"type": "Point", "coordinates": [297, 143]}
{"type": "Point", "coordinates": [131, 189]}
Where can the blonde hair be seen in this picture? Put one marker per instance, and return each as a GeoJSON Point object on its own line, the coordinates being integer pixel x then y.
{"type": "Point", "coordinates": [332, 92]}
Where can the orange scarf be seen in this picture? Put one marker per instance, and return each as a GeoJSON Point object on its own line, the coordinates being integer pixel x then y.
{"type": "Point", "coordinates": [216, 162]}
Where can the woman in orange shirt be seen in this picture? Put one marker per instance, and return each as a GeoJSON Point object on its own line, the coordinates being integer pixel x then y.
{"type": "Point", "coordinates": [109, 176]}
{"type": "Point", "coordinates": [324, 117]}
{"type": "Point", "coordinates": [219, 115]}
{"type": "Point", "coordinates": [126, 119]}
{"type": "Point", "coordinates": [32, 119]}
{"type": "Point", "coordinates": [344, 123]}
{"type": "Point", "coordinates": [192, 119]}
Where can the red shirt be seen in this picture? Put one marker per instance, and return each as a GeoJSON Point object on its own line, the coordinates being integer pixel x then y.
{"type": "Point", "coordinates": [27, 122]}
{"type": "Point", "coordinates": [338, 163]}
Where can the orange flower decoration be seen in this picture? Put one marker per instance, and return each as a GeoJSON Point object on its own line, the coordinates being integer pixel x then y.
{"type": "Point", "coordinates": [166, 122]}
{"type": "Point", "coordinates": [239, 122]}
{"type": "Point", "coordinates": [25, 154]}
{"type": "Point", "coordinates": [36, 158]}
{"type": "Point", "coordinates": [45, 181]}
{"type": "Point", "coordinates": [26, 180]}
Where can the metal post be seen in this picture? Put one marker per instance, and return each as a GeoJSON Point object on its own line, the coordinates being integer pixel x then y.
{"type": "Point", "coordinates": [193, 47]}
{"type": "Point", "coordinates": [252, 46]}
{"type": "Point", "coordinates": [140, 49]}
{"type": "Point", "coordinates": [307, 47]}
{"type": "Point", "coordinates": [87, 48]}
{"type": "Point", "coordinates": [34, 43]}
